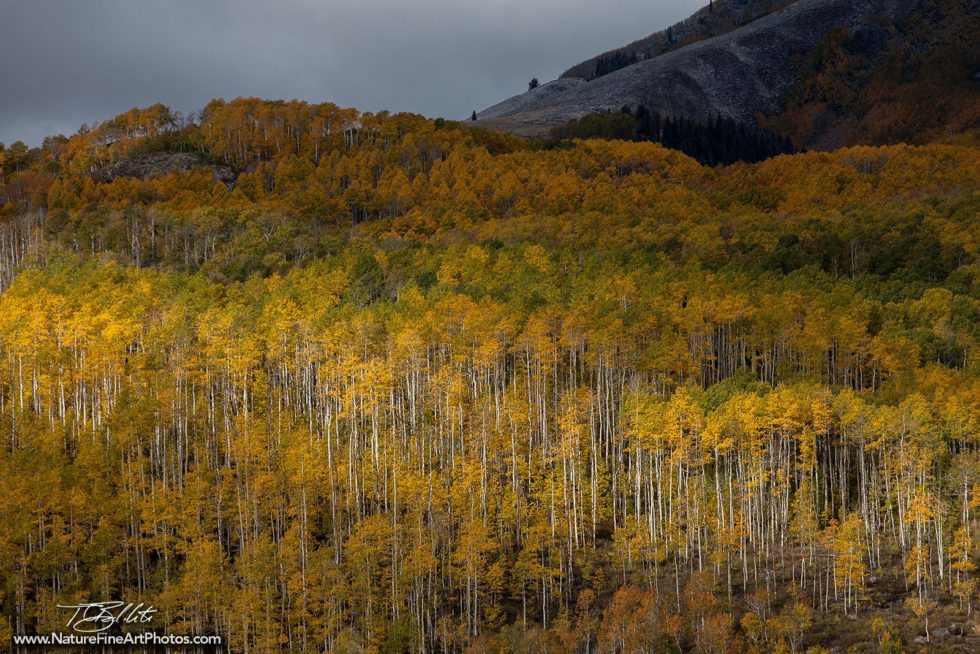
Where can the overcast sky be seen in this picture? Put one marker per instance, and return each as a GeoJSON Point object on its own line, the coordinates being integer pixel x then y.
{"type": "Point", "coordinates": [68, 62]}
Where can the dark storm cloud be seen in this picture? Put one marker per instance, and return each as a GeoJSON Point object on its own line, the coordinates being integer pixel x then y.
{"type": "Point", "coordinates": [68, 62]}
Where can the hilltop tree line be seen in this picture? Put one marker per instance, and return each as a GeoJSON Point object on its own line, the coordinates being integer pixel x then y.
{"type": "Point", "coordinates": [411, 386]}
{"type": "Point", "coordinates": [606, 64]}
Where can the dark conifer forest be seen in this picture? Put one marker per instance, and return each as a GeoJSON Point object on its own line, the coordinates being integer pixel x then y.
{"type": "Point", "coordinates": [718, 141]}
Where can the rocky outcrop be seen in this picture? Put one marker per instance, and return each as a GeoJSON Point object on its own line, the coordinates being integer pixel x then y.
{"type": "Point", "coordinates": [735, 75]}
{"type": "Point", "coordinates": [163, 163]}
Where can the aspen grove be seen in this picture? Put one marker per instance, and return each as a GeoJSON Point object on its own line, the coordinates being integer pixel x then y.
{"type": "Point", "coordinates": [410, 386]}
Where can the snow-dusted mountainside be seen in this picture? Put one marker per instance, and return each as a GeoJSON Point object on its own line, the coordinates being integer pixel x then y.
{"type": "Point", "coordinates": [738, 74]}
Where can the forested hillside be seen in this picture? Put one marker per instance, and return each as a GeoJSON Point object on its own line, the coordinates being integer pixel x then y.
{"type": "Point", "coordinates": [408, 386]}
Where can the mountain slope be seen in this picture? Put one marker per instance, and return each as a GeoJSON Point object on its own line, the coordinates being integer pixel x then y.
{"type": "Point", "coordinates": [792, 58]}
{"type": "Point", "coordinates": [921, 85]}
{"type": "Point", "coordinates": [713, 20]}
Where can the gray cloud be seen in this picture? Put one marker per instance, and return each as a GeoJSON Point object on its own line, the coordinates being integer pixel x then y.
{"type": "Point", "coordinates": [65, 62]}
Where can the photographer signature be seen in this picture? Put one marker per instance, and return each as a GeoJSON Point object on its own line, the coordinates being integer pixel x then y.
{"type": "Point", "coordinates": [95, 617]}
